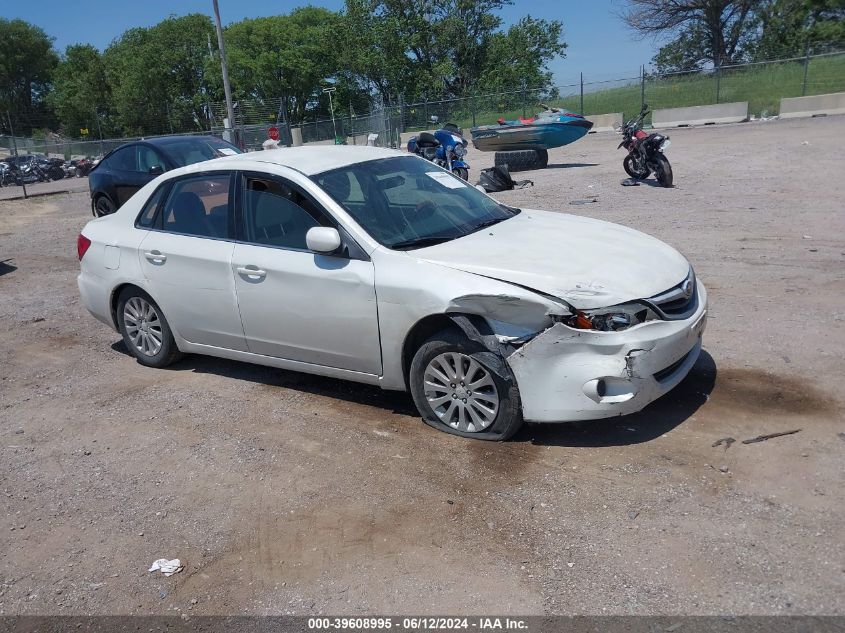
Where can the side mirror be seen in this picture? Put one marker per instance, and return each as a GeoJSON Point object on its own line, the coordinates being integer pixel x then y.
{"type": "Point", "coordinates": [322, 239]}
{"type": "Point", "coordinates": [156, 170]}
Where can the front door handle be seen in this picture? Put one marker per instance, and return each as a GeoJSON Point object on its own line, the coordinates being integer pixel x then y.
{"type": "Point", "coordinates": [156, 257]}
{"type": "Point", "coordinates": [252, 271]}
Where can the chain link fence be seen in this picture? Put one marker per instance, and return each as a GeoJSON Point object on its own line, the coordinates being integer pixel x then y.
{"type": "Point", "coordinates": [762, 84]}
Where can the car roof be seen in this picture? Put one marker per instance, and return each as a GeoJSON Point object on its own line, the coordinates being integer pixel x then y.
{"type": "Point", "coordinates": [314, 159]}
{"type": "Point", "coordinates": [167, 140]}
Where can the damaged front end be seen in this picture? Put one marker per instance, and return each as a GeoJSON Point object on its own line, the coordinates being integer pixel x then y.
{"type": "Point", "coordinates": [577, 365]}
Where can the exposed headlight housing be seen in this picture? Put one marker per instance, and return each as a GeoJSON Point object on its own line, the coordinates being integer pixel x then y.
{"type": "Point", "coordinates": [460, 151]}
{"type": "Point", "coordinates": [612, 319]}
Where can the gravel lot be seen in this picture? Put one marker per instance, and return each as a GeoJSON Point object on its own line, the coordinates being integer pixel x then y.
{"type": "Point", "coordinates": [38, 189]}
{"type": "Point", "coordinates": [285, 493]}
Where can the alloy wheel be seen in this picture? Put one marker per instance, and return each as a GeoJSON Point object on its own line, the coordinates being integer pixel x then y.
{"type": "Point", "coordinates": [143, 326]}
{"type": "Point", "coordinates": [461, 392]}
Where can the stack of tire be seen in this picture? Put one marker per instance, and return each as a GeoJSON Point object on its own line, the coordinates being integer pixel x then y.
{"type": "Point", "coordinates": [523, 159]}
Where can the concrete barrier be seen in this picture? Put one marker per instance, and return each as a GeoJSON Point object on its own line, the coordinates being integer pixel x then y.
{"type": "Point", "coordinates": [701, 115]}
{"type": "Point", "coordinates": [296, 137]}
{"type": "Point", "coordinates": [605, 122]}
{"type": "Point", "coordinates": [795, 107]}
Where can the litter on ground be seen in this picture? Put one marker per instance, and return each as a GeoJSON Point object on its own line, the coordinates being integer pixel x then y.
{"type": "Point", "coordinates": [167, 567]}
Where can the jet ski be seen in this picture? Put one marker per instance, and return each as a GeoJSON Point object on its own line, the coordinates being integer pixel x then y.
{"type": "Point", "coordinates": [550, 128]}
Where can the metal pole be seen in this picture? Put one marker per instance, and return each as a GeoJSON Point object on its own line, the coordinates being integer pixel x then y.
{"type": "Point", "coordinates": [99, 130]}
{"type": "Point", "coordinates": [352, 122]}
{"type": "Point", "coordinates": [15, 145]}
{"type": "Point", "coordinates": [230, 109]}
{"type": "Point", "coordinates": [329, 91]}
{"type": "Point", "coordinates": [523, 98]}
{"type": "Point", "coordinates": [642, 85]}
{"type": "Point", "coordinates": [806, 68]}
{"type": "Point", "coordinates": [582, 93]}
{"type": "Point", "coordinates": [718, 80]}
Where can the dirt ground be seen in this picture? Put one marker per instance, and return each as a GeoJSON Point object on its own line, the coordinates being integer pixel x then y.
{"type": "Point", "coordinates": [286, 493]}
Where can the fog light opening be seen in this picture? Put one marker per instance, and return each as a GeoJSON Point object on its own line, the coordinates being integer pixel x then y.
{"type": "Point", "coordinates": [609, 390]}
{"type": "Point", "coordinates": [601, 388]}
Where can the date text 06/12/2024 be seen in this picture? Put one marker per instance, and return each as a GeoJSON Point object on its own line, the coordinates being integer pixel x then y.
{"type": "Point", "coordinates": [417, 623]}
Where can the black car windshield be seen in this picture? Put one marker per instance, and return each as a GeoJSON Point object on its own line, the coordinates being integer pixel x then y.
{"type": "Point", "coordinates": [406, 202]}
{"type": "Point", "coordinates": [195, 150]}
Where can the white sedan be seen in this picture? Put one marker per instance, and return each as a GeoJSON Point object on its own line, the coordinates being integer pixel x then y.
{"type": "Point", "coordinates": [376, 266]}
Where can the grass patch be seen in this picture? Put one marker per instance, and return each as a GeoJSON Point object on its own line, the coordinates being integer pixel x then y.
{"type": "Point", "coordinates": [763, 86]}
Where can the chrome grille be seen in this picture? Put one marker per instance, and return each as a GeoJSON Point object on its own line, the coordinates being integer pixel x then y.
{"type": "Point", "coordinates": [679, 302]}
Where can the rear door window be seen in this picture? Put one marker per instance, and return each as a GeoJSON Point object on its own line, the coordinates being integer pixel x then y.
{"type": "Point", "coordinates": [199, 206]}
{"type": "Point", "coordinates": [147, 217]}
{"type": "Point", "coordinates": [125, 159]}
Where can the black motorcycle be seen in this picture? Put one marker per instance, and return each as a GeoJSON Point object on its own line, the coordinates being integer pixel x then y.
{"type": "Point", "coordinates": [646, 152]}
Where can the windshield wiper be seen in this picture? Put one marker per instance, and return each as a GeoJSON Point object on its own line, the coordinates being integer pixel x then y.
{"type": "Point", "coordinates": [419, 242]}
{"type": "Point", "coordinates": [487, 223]}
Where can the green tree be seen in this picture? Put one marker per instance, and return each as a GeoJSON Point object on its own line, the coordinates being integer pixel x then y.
{"type": "Point", "coordinates": [518, 57]}
{"type": "Point", "coordinates": [157, 76]}
{"type": "Point", "coordinates": [292, 55]}
{"type": "Point", "coordinates": [431, 48]}
{"type": "Point", "coordinates": [714, 31]}
{"type": "Point", "coordinates": [27, 61]}
{"type": "Point", "coordinates": [80, 93]}
{"type": "Point", "coordinates": [790, 27]}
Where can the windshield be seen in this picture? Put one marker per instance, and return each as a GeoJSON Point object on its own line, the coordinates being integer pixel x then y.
{"type": "Point", "coordinates": [406, 202]}
{"type": "Point", "coordinates": [189, 151]}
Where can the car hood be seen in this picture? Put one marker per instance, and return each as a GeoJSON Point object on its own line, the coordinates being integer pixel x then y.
{"type": "Point", "coordinates": [588, 263]}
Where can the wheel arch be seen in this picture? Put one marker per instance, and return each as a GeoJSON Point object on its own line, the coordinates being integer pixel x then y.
{"type": "Point", "coordinates": [431, 324]}
{"type": "Point", "coordinates": [115, 294]}
{"type": "Point", "coordinates": [96, 196]}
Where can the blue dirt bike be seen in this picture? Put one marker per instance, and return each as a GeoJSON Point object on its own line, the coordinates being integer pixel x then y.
{"type": "Point", "coordinates": [445, 147]}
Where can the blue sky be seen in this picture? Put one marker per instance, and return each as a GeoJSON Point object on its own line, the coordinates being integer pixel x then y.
{"type": "Point", "coordinates": [600, 46]}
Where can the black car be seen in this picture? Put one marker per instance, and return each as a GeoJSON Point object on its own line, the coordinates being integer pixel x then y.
{"type": "Point", "coordinates": [125, 170]}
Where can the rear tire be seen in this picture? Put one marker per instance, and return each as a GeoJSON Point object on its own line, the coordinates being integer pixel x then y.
{"type": "Point", "coordinates": [521, 160]}
{"type": "Point", "coordinates": [663, 171]}
{"type": "Point", "coordinates": [146, 332]}
{"type": "Point", "coordinates": [103, 206]}
{"type": "Point", "coordinates": [492, 413]}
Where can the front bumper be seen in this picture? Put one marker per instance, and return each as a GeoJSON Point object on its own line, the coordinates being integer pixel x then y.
{"type": "Point", "coordinates": [566, 374]}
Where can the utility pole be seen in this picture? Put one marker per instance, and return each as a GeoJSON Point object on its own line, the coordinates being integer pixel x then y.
{"type": "Point", "coordinates": [581, 111]}
{"type": "Point", "coordinates": [329, 92]}
{"type": "Point", "coordinates": [230, 109]}
{"type": "Point", "coordinates": [15, 145]}
{"type": "Point", "coordinates": [99, 130]}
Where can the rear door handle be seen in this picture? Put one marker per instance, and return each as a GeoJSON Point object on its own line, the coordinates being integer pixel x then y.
{"type": "Point", "coordinates": [156, 257]}
{"type": "Point", "coordinates": [252, 271]}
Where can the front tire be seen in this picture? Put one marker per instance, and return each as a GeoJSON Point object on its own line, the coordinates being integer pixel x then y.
{"type": "Point", "coordinates": [663, 170]}
{"type": "Point", "coordinates": [462, 388]}
{"type": "Point", "coordinates": [461, 172]}
{"type": "Point", "coordinates": [630, 167]}
{"type": "Point", "coordinates": [146, 333]}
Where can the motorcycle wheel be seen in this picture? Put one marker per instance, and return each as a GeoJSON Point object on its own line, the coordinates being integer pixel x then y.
{"type": "Point", "coordinates": [461, 172]}
{"type": "Point", "coordinates": [630, 168]}
{"type": "Point", "coordinates": [663, 171]}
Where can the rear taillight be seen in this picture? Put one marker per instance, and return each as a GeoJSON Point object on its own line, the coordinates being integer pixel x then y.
{"type": "Point", "coordinates": [82, 244]}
